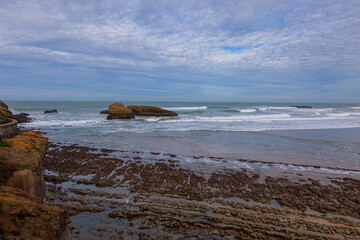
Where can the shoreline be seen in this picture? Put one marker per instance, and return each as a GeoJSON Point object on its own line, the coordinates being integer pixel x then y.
{"type": "Point", "coordinates": [344, 134]}
{"type": "Point", "coordinates": [153, 196]}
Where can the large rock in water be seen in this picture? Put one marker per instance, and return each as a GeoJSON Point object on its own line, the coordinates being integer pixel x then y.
{"type": "Point", "coordinates": [23, 216]}
{"type": "Point", "coordinates": [151, 111]}
{"type": "Point", "coordinates": [118, 111]}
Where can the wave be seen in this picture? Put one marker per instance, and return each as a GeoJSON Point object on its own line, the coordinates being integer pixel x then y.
{"type": "Point", "coordinates": [246, 110]}
{"type": "Point", "coordinates": [234, 118]}
{"type": "Point", "coordinates": [263, 109]}
{"type": "Point", "coordinates": [73, 123]}
{"type": "Point", "coordinates": [355, 107]}
{"type": "Point", "coordinates": [283, 108]}
{"type": "Point", "coordinates": [187, 108]}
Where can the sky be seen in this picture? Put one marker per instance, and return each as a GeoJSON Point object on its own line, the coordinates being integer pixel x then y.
{"type": "Point", "coordinates": [246, 51]}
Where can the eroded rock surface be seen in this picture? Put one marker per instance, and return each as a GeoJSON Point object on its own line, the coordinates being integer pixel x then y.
{"type": "Point", "coordinates": [25, 151]}
{"type": "Point", "coordinates": [151, 196]}
{"type": "Point", "coordinates": [23, 216]}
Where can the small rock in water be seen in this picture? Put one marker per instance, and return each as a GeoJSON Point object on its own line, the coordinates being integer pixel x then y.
{"type": "Point", "coordinates": [51, 111]}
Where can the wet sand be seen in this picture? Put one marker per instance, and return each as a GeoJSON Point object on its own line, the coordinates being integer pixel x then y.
{"type": "Point", "coordinates": [348, 135]}
{"type": "Point", "coordinates": [121, 194]}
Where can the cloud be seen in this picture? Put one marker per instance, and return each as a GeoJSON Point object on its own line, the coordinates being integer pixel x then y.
{"type": "Point", "coordinates": [224, 44]}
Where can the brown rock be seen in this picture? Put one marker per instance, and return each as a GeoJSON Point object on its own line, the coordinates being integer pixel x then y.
{"type": "Point", "coordinates": [5, 112]}
{"type": "Point", "coordinates": [151, 111]}
{"type": "Point", "coordinates": [118, 111]}
{"type": "Point", "coordinates": [22, 117]}
{"type": "Point", "coordinates": [28, 181]}
{"type": "Point", "coordinates": [25, 151]}
{"type": "Point", "coordinates": [22, 216]}
{"type": "Point", "coordinates": [3, 105]}
{"type": "Point", "coordinates": [104, 112]}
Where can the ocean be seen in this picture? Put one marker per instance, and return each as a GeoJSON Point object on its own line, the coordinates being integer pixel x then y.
{"type": "Point", "coordinates": [326, 135]}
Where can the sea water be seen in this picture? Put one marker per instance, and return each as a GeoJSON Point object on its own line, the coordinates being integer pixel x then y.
{"type": "Point", "coordinates": [326, 135]}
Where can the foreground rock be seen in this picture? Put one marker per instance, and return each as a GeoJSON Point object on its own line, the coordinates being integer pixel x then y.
{"type": "Point", "coordinates": [26, 151]}
{"type": "Point", "coordinates": [22, 216]}
{"type": "Point", "coordinates": [51, 111]}
{"type": "Point", "coordinates": [118, 111]}
{"type": "Point", "coordinates": [5, 112]}
{"type": "Point", "coordinates": [151, 111]}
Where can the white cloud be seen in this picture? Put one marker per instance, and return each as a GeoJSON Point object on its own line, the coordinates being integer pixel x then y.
{"type": "Point", "coordinates": [278, 36]}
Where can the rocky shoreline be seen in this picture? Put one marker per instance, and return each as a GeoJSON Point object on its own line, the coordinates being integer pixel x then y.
{"type": "Point", "coordinates": [61, 191]}
{"type": "Point", "coordinates": [150, 196]}
{"type": "Point", "coordinates": [24, 213]}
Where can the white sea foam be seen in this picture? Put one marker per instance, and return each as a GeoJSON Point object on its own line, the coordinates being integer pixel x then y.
{"type": "Point", "coordinates": [281, 108]}
{"type": "Point", "coordinates": [187, 108]}
{"type": "Point", "coordinates": [345, 114]}
{"type": "Point", "coordinates": [246, 110]}
{"type": "Point", "coordinates": [264, 117]}
{"type": "Point", "coordinates": [355, 107]}
{"type": "Point", "coordinates": [72, 123]}
{"type": "Point", "coordinates": [315, 169]}
{"type": "Point", "coordinates": [264, 109]}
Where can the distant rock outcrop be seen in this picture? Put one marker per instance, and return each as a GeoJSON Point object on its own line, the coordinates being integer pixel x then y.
{"type": "Point", "coordinates": [118, 111]}
{"type": "Point", "coordinates": [301, 106]}
{"type": "Point", "coordinates": [51, 111]}
{"type": "Point", "coordinates": [151, 111]}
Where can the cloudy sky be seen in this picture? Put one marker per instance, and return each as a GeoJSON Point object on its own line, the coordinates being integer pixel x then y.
{"type": "Point", "coordinates": [255, 51]}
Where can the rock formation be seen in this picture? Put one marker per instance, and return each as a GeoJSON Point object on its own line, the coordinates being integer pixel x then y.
{"type": "Point", "coordinates": [22, 191]}
{"type": "Point", "coordinates": [5, 112]}
{"type": "Point", "coordinates": [151, 111]}
{"type": "Point", "coordinates": [104, 112]}
{"type": "Point", "coordinates": [21, 162]}
{"type": "Point", "coordinates": [118, 111]}
{"type": "Point", "coordinates": [301, 106]}
{"type": "Point", "coordinates": [51, 111]}
{"type": "Point", "coordinates": [23, 216]}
